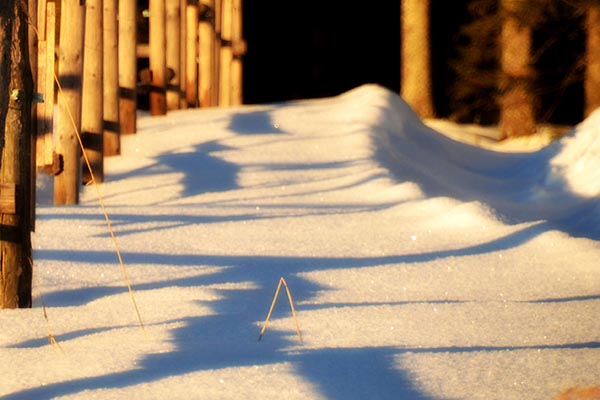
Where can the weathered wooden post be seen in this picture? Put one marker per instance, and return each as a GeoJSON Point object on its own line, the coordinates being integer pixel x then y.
{"type": "Point", "coordinates": [226, 53]}
{"type": "Point", "coordinates": [182, 53]}
{"type": "Point", "coordinates": [92, 119]}
{"type": "Point", "coordinates": [191, 87]}
{"type": "Point", "coordinates": [70, 70]}
{"type": "Point", "coordinates": [127, 66]}
{"type": "Point", "coordinates": [173, 53]}
{"type": "Point", "coordinates": [207, 41]}
{"type": "Point", "coordinates": [16, 89]}
{"type": "Point", "coordinates": [158, 59]}
{"type": "Point", "coordinates": [46, 158]}
{"type": "Point", "coordinates": [33, 43]}
{"type": "Point", "coordinates": [217, 53]}
{"type": "Point", "coordinates": [112, 139]}
{"type": "Point", "coordinates": [238, 49]}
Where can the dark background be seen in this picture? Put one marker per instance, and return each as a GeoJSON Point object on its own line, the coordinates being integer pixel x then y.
{"type": "Point", "coordinates": [300, 50]}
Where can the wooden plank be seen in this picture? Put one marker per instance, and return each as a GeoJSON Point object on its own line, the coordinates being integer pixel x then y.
{"type": "Point", "coordinates": [8, 198]}
{"type": "Point", "coordinates": [45, 110]}
{"type": "Point", "coordinates": [41, 22]}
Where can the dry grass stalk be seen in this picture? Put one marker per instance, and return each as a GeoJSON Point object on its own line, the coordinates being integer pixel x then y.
{"type": "Point", "coordinates": [289, 295]}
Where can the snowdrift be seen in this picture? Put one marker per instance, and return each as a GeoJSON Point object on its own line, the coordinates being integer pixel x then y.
{"type": "Point", "coordinates": [559, 183]}
{"type": "Point", "coordinates": [408, 285]}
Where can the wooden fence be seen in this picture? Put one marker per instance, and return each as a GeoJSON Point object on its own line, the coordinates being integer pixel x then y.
{"type": "Point", "coordinates": [85, 63]}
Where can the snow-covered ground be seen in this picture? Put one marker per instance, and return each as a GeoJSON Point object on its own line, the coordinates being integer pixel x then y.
{"type": "Point", "coordinates": [421, 267]}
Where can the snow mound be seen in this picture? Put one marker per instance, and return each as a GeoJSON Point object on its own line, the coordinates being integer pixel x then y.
{"type": "Point", "coordinates": [559, 183]}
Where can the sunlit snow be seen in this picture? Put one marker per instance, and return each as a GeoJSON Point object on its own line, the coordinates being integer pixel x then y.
{"type": "Point", "coordinates": [421, 267]}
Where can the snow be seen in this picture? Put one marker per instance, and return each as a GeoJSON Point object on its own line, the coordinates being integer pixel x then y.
{"type": "Point", "coordinates": [421, 266]}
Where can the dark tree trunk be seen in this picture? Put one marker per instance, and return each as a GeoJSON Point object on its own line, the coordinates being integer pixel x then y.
{"type": "Point", "coordinates": [15, 168]}
{"type": "Point", "coordinates": [415, 84]}
{"type": "Point", "coordinates": [517, 101]}
{"type": "Point", "coordinates": [592, 75]}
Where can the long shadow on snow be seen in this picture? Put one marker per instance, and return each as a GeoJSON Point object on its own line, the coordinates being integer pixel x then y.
{"type": "Point", "coordinates": [229, 337]}
{"type": "Point", "coordinates": [202, 172]}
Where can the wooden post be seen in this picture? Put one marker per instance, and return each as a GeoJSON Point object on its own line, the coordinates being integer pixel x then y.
{"type": "Point", "coordinates": [182, 54]}
{"type": "Point", "coordinates": [238, 49]}
{"type": "Point", "coordinates": [16, 89]}
{"type": "Point", "coordinates": [112, 140]}
{"type": "Point", "coordinates": [217, 53]}
{"type": "Point", "coordinates": [92, 119]}
{"type": "Point", "coordinates": [191, 87]}
{"type": "Point", "coordinates": [207, 40]}
{"type": "Point", "coordinates": [32, 12]}
{"type": "Point", "coordinates": [46, 158]}
{"type": "Point", "coordinates": [226, 53]}
{"type": "Point", "coordinates": [72, 27]}
{"type": "Point", "coordinates": [173, 50]}
{"type": "Point", "coordinates": [127, 66]}
{"type": "Point", "coordinates": [158, 59]}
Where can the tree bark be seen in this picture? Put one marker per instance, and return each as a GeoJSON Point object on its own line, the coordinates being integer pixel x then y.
{"type": "Point", "coordinates": [517, 102]}
{"type": "Point", "coordinates": [592, 72]}
{"type": "Point", "coordinates": [16, 94]}
{"type": "Point", "coordinates": [415, 57]}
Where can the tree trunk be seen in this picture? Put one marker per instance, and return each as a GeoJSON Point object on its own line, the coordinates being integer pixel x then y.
{"type": "Point", "coordinates": [92, 120]}
{"type": "Point", "coordinates": [517, 110]}
{"type": "Point", "coordinates": [70, 71]}
{"type": "Point", "coordinates": [592, 73]}
{"type": "Point", "coordinates": [16, 94]}
{"type": "Point", "coordinates": [415, 57]}
{"type": "Point", "coordinates": [112, 139]}
{"type": "Point", "coordinates": [127, 66]}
